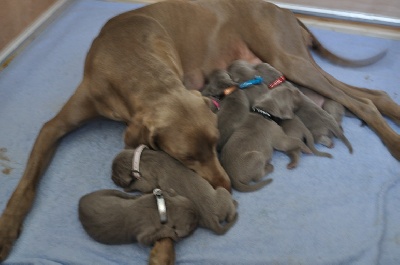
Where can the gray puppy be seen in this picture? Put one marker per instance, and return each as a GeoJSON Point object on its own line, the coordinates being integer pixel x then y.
{"type": "Point", "coordinates": [335, 109]}
{"type": "Point", "coordinates": [242, 71]}
{"type": "Point", "coordinates": [216, 208]}
{"type": "Point", "coordinates": [247, 140]}
{"type": "Point", "coordinates": [284, 103]}
{"type": "Point", "coordinates": [228, 117]}
{"type": "Point", "coordinates": [247, 154]}
{"type": "Point", "coordinates": [114, 217]}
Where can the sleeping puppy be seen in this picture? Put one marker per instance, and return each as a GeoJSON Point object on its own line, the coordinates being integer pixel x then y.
{"type": "Point", "coordinates": [285, 100]}
{"type": "Point", "coordinates": [114, 217]}
{"type": "Point", "coordinates": [335, 109]}
{"type": "Point", "coordinates": [234, 111]}
{"type": "Point", "coordinates": [247, 154]}
{"type": "Point", "coordinates": [220, 80]}
{"type": "Point", "coordinates": [216, 208]}
{"type": "Point", "coordinates": [241, 71]}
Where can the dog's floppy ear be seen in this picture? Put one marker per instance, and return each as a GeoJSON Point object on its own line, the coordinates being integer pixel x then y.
{"type": "Point", "coordinates": [152, 138]}
{"type": "Point", "coordinates": [137, 133]}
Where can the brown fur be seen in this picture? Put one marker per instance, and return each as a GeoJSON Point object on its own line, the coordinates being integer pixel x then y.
{"type": "Point", "coordinates": [159, 170]}
{"type": "Point", "coordinates": [163, 252]}
{"type": "Point", "coordinates": [138, 68]}
{"type": "Point", "coordinates": [114, 217]}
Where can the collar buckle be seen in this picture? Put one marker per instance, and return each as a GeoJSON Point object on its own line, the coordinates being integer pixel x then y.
{"type": "Point", "coordinates": [162, 208]}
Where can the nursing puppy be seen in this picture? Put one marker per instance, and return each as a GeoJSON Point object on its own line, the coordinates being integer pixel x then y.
{"type": "Point", "coordinates": [247, 154]}
{"type": "Point", "coordinates": [216, 208]}
{"type": "Point", "coordinates": [231, 111]}
{"type": "Point", "coordinates": [335, 109]}
{"type": "Point", "coordinates": [234, 111]}
{"type": "Point", "coordinates": [286, 100]}
{"type": "Point", "coordinates": [242, 71]}
{"type": "Point", "coordinates": [114, 217]}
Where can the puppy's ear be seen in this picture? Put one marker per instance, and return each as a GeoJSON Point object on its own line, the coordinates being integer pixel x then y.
{"type": "Point", "coordinates": [287, 100]}
{"type": "Point", "coordinates": [297, 99]}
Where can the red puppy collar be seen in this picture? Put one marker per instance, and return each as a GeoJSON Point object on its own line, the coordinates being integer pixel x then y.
{"type": "Point", "coordinates": [277, 82]}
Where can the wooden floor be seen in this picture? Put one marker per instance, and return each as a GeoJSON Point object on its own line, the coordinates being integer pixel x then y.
{"type": "Point", "coordinates": [386, 8]}
{"type": "Point", "coordinates": [16, 16]}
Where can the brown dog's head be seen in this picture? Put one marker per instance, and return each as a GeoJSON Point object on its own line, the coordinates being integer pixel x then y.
{"type": "Point", "coordinates": [186, 129]}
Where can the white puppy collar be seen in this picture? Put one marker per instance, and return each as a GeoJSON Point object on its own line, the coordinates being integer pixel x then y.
{"type": "Point", "coordinates": [136, 161]}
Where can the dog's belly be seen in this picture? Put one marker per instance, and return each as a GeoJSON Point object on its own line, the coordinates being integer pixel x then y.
{"type": "Point", "coordinates": [195, 79]}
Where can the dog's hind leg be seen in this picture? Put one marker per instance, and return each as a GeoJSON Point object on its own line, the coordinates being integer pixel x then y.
{"type": "Point", "coordinates": [77, 110]}
{"type": "Point", "coordinates": [381, 99]}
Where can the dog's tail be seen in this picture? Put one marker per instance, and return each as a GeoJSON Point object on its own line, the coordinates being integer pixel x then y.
{"type": "Point", "coordinates": [317, 46]}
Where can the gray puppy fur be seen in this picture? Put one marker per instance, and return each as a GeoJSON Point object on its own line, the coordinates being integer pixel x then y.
{"type": "Point", "coordinates": [215, 207]}
{"type": "Point", "coordinates": [247, 155]}
{"type": "Point", "coordinates": [114, 217]}
{"type": "Point", "coordinates": [335, 109]}
{"type": "Point", "coordinates": [243, 158]}
{"type": "Point", "coordinates": [284, 103]}
{"type": "Point", "coordinates": [295, 128]}
{"type": "Point", "coordinates": [227, 124]}
{"type": "Point", "coordinates": [246, 150]}
{"type": "Point", "coordinates": [241, 71]}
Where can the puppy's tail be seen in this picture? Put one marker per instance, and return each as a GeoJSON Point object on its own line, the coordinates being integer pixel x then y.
{"type": "Point", "coordinates": [244, 187]}
{"type": "Point", "coordinates": [317, 46]}
{"type": "Point", "coordinates": [223, 228]}
{"type": "Point", "coordinates": [311, 144]}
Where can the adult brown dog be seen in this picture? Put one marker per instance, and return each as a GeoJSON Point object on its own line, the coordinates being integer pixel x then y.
{"type": "Point", "coordinates": [137, 69]}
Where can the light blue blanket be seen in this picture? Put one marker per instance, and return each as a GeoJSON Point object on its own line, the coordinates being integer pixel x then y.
{"type": "Point", "coordinates": [343, 210]}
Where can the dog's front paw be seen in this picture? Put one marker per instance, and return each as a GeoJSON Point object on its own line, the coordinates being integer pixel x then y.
{"type": "Point", "coordinates": [9, 232]}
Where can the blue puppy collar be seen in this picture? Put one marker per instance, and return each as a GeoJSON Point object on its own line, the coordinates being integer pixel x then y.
{"type": "Point", "coordinates": [255, 81]}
